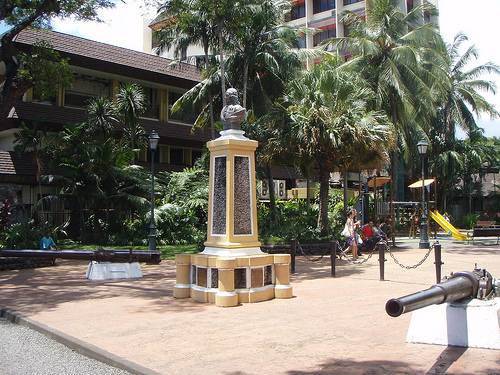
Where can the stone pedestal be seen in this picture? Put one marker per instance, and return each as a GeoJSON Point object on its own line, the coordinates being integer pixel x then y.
{"type": "Point", "coordinates": [474, 324]}
{"type": "Point", "coordinates": [113, 271]}
{"type": "Point", "coordinates": [232, 269]}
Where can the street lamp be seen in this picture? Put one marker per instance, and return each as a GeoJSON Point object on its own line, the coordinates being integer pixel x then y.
{"type": "Point", "coordinates": [153, 139]}
{"type": "Point", "coordinates": [424, 236]}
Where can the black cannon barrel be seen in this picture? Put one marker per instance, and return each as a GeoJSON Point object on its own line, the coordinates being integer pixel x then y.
{"type": "Point", "coordinates": [461, 285]}
{"type": "Point", "coordinates": [99, 255]}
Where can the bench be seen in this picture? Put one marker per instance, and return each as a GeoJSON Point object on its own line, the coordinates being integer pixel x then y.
{"type": "Point", "coordinates": [486, 229]}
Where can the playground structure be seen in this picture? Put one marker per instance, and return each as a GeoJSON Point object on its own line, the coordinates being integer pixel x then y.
{"type": "Point", "coordinates": [446, 225]}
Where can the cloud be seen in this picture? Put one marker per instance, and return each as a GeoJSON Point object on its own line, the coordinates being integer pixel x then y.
{"type": "Point", "coordinates": [122, 25]}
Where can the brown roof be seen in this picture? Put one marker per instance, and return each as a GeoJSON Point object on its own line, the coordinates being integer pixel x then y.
{"type": "Point", "coordinates": [74, 46]}
{"type": "Point", "coordinates": [14, 163]}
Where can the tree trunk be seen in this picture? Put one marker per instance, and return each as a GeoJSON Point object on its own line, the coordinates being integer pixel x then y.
{"type": "Point", "coordinates": [394, 165]}
{"type": "Point", "coordinates": [210, 98]}
{"type": "Point", "coordinates": [272, 196]}
{"type": "Point", "coordinates": [245, 83]}
{"type": "Point", "coordinates": [324, 187]}
{"type": "Point", "coordinates": [308, 197]}
{"type": "Point", "coordinates": [344, 189]}
{"type": "Point", "coordinates": [222, 68]}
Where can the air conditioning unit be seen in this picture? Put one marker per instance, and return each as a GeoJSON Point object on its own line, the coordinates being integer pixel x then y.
{"type": "Point", "coordinates": [279, 189]}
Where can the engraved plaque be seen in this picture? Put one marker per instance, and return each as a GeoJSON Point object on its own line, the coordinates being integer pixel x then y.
{"type": "Point", "coordinates": [214, 283]}
{"type": "Point", "coordinates": [219, 196]}
{"type": "Point", "coordinates": [268, 275]}
{"type": "Point", "coordinates": [242, 196]}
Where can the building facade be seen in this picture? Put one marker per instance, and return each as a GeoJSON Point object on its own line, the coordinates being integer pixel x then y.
{"type": "Point", "coordinates": [98, 70]}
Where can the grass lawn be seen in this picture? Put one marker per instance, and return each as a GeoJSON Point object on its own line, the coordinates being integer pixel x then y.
{"type": "Point", "coordinates": [167, 251]}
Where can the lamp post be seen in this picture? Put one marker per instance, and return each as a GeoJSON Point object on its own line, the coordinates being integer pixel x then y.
{"type": "Point", "coordinates": [424, 236]}
{"type": "Point", "coordinates": [153, 139]}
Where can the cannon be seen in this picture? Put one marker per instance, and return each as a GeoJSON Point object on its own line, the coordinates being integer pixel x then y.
{"type": "Point", "coordinates": [99, 255]}
{"type": "Point", "coordinates": [458, 286]}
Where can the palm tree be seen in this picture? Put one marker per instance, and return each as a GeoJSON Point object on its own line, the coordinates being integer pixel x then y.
{"type": "Point", "coordinates": [332, 121]}
{"type": "Point", "coordinates": [30, 139]}
{"type": "Point", "coordinates": [400, 56]}
{"type": "Point", "coordinates": [189, 23]}
{"type": "Point", "coordinates": [464, 99]}
{"type": "Point", "coordinates": [458, 107]}
{"type": "Point", "coordinates": [130, 105]}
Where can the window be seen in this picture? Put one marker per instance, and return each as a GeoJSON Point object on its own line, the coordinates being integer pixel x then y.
{"type": "Point", "coordinates": [176, 156]}
{"type": "Point", "coordinates": [409, 5]}
{"type": "Point", "coordinates": [324, 35]}
{"type": "Point", "coordinates": [323, 5]}
{"type": "Point", "coordinates": [83, 88]}
{"type": "Point", "coordinates": [152, 99]}
{"type": "Point", "coordinates": [195, 155]}
{"type": "Point", "coordinates": [184, 116]}
{"type": "Point", "coordinates": [301, 42]}
{"type": "Point", "coordinates": [38, 97]}
{"type": "Point", "coordinates": [348, 2]}
{"type": "Point", "coordinates": [297, 11]}
{"type": "Point", "coordinates": [163, 153]}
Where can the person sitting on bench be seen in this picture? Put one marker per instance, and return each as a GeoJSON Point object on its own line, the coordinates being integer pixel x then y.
{"type": "Point", "coordinates": [371, 236]}
{"type": "Point", "coordinates": [47, 243]}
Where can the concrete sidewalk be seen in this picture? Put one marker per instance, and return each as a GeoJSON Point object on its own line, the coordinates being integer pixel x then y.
{"type": "Point", "coordinates": [332, 326]}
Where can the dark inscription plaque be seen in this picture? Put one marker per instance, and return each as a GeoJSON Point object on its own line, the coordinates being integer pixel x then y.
{"type": "Point", "coordinates": [215, 278]}
{"type": "Point", "coordinates": [240, 278]}
{"type": "Point", "coordinates": [242, 200]}
{"type": "Point", "coordinates": [219, 201]}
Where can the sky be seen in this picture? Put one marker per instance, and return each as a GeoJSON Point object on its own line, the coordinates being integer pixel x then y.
{"type": "Point", "coordinates": [123, 26]}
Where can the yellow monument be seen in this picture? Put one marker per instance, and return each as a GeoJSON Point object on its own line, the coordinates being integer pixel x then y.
{"type": "Point", "coordinates": [232, 268]}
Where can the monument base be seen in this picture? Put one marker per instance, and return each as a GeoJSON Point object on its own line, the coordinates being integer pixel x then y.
{"type": "Point", "coordinates": [231, 280]}
{"type": "Point", "coordinates": [473, 323]}
{"type": "Point", "coordinates": [113, 271]}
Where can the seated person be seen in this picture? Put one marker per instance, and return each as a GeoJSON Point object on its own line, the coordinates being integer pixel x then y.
{"type": "Point", "coordinates": [47, 243]}
{"type": "Point", "coordinates": [371, 234]}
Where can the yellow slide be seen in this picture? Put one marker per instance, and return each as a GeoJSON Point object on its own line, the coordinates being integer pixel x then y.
{"type": "Point", "coordinates": [445, 224]}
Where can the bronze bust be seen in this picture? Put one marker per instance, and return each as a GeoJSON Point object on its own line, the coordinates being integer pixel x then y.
{"type": "Point", "coordinates": [233, 114]}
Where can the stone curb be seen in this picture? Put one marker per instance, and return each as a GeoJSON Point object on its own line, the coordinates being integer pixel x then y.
{"type": "Point", "coordinates": [82, 347]}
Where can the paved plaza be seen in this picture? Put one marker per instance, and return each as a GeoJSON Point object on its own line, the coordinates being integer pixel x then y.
{"type": "Point", "coordinates": [331, 326]}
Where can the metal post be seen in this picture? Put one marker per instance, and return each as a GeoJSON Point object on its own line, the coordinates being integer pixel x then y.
{"type": "Point", "coordinates": [424, 235]}
{"type": "Point", "coordinates": [381, 259]}
{"type": "Point", "coordinates": [437, 261]}
{"type": "Point", "coordinates": [152, 225]}
{"type": "Point", "coordinates": [333, 256]}
{"type": "Point", "coordinates": [293, 251]}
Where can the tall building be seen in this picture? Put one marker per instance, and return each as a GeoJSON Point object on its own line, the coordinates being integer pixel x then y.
{"type": "Point", "coordinates": [325, 16]}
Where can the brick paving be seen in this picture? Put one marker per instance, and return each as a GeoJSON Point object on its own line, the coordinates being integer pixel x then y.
{"type": "Point", "coordinates": [332, 326]}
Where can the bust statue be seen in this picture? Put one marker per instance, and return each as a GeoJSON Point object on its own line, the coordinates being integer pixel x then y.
{"type": "Point", "coordinates": [233, 114]}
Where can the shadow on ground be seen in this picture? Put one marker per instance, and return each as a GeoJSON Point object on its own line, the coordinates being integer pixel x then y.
{"type": "Point", "coordinates": [352, 367]}
{"type": "Point", "coordinates": [43, 289]}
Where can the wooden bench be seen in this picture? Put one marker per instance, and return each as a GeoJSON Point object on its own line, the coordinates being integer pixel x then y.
{"type": "Point", "coordinates": [486, 229]}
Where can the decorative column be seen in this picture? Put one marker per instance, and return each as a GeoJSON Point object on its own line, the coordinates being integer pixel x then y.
{"type": "Point", "coordinates": [182, 276]}
{"type": "Point", "coordinates": [282, 288]}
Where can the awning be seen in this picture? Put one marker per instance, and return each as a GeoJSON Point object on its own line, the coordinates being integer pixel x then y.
{"type": "Point", "coordinates": [418, 184]}
{"type": "Point", "coordinates": [378, 181]}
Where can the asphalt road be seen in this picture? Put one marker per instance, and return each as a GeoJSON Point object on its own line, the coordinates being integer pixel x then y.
{"type": "Point", "coordinates": [24, 351]}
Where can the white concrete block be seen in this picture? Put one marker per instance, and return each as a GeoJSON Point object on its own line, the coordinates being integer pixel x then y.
{"type": "Point", "coordinates": [112, 271]}
{"type": "Point", "coordinates": [474, 324]}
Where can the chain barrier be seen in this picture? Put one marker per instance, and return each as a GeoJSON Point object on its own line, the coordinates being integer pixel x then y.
{"type": "Point", "coordinates": [413, 266]}
{"type": "Point", "coordinates": [343, 253]}
{"type": "Point", "coordinates": [308, 257]}
{"type": "Point", "coordinates": [367, 258]}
